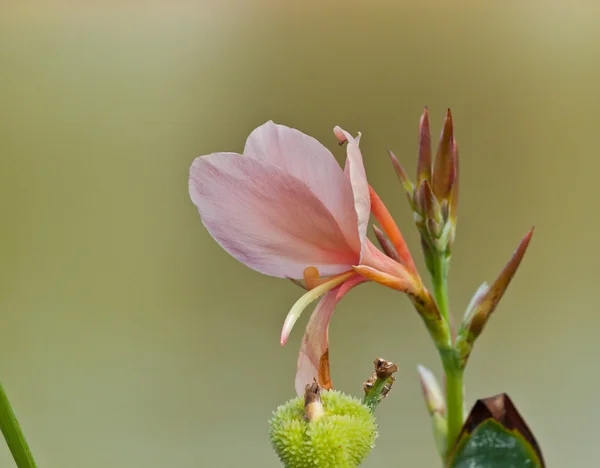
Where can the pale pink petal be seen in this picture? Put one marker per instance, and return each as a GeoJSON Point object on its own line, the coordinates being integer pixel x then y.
{"type": "Point", "coordinates": [266, 218]}
{"type": "Point", "coordinates": [309, 161]}
{"type": "Point", "coordinates": [313, 361]}
{"type": "Point", "coordinates": [355, 170]}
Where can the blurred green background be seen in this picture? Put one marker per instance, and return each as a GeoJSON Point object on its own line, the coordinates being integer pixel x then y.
{"type": "Point", "coordinates": [129, 338]}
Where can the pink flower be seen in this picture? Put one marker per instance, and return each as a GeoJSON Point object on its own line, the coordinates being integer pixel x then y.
{"type": "Point", "coordinates": [285, 208]}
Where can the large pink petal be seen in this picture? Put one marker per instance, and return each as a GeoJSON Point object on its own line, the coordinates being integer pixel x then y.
{"type": "Point", "coordinates": [308, 160]}
{"type": "Point", "coordinates": [313, 361]}
{"type": "Point", "coordinates": [266, 218]}
{"type": "Point", "coordinates": [355, 170]}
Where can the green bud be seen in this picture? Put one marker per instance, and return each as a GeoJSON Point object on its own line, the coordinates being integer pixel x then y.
{"type": "Point", "coordinates": [341, 438]}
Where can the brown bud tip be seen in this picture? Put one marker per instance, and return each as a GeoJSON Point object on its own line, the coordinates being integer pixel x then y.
{"type": "Point", "coordinates": [424, 162]}
{"type": "Point", "coordinates": [497, 290]}
{"type": "Point", "coordinates": [313, 408]}
{"type": "Point", "coordinates": [384, 369]}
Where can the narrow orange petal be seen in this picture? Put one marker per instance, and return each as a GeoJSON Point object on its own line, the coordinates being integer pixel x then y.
{"type": "Point", "coordinates": [391, 281]}
{"type": "Point", "coordinates": [391, 229]}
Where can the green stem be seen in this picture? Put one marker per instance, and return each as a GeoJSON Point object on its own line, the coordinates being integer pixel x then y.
{"type": "Point", "coordinates": [440, 287]}
{"type": "Point", "coordinates": [452, 369]}
{"type": "Point", "coordinates": [454, 404]}
{"type": "Point", "coordinates": [375, 395]}
{"type": "Point", "coordinates": [13, 434]}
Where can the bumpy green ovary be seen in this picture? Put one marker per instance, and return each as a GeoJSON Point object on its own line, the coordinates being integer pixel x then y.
{"type": "Point", "coordinates": [342, 438]}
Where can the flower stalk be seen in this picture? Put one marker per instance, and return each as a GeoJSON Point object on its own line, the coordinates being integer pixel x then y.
{"type": "Point", "coordinates": [452, 370]}
{"type": "Point", "coordinates": [15, 439]}
{"type": "Point", "coordinates": [380, 383]}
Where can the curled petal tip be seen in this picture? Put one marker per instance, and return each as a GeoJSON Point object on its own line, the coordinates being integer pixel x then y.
{"type": "Point", "coordinates": [340, 135]}
{"type": "Point", "coordinates": [285, 334]}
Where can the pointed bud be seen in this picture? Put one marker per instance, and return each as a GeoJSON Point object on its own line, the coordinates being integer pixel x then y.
{"type": "Point", "coordinates": [436, 406]}
{"type": "Point", "coordinates": [485, 302]}
{"type": "Point", "coordinates": [424, 162]}
{"type": "Point", "coordinates": [401, 173]}
{"type": "Point", "coordinates": [386, 244]}
{"type": "Point", "coordinates": [444, 172]}
{"type": "Point", "coordinates": [434, 399]}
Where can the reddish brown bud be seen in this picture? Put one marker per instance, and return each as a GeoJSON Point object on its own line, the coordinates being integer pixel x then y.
{"type": "Point", "coordinates": [486, 300]}
{"type": "Point", "coordinates": [424, 162]}
{"type": "Point", "coordinates": [444, 172]}
{"type": "Point", "coordinates": [497, 289]}
{"type": "Point", "coordinates": [386, 244]}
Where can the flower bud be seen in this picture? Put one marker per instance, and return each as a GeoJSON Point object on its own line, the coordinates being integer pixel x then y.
{"type": "Point", "coordinates": [434, 200]}
{"type": "Point", "coordinates": [484, 303]}
{"type": "Point", "coordinates": [434, 399]}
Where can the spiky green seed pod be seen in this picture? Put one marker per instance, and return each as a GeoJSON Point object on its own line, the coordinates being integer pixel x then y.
{"type": "Point", "coordinates": [341, 438]}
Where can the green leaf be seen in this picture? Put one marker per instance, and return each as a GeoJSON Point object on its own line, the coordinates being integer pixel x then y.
{"type": "Point", "coordinates": [495, 436]}
{"type": "Point", "coordinates": [13, 435]}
